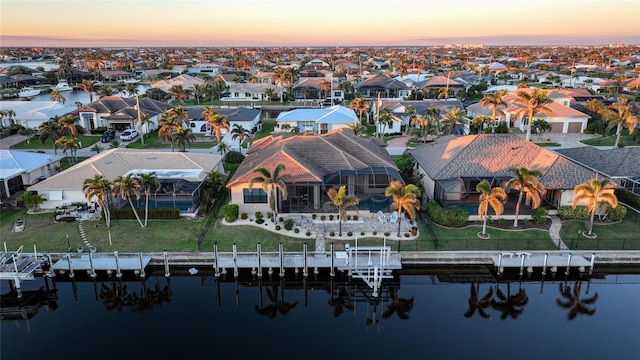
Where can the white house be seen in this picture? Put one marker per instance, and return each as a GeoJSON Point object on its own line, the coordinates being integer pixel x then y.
{"type": "Point", "coordinates": [248, 118]}
{"type": "Point", "coordinates": [21, 168]}
{"type": "Point", "coordinates": [31, 114]}
{"type": "Point", "coordinates": [319, 121]}
{"type": "Point", "coordinates": [121, 113]}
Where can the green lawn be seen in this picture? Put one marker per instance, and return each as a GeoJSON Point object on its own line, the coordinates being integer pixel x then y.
{"type": "Point", "coordinates": [621, 236]}
{"type": "Point", "coordinates": [152, 141]}
{"type": "Point", "coordinates": [609, 140]}
{"type": "Point", "coordinates": [268, 125]}
{"type": "Point", "coordinates": [547, 144]}
{"type": "Point", "coordinates": [34, 142]}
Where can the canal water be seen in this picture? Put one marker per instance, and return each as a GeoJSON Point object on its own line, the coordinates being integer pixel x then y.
{"type": "Point", "coordinates": [441, 314]}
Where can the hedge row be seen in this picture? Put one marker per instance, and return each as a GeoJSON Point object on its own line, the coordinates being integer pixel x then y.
{"type": "Point", "coordinates": [582, 213]}
{"type": "Point", "coordinates": [154, 213]}
{"type": "Point", "coordinates": [452, 218]}
{"type": "Point", "coordinates": [628, 198]}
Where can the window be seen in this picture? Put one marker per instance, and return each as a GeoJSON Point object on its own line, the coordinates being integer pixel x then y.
{"type": "Point", "coordinates": [254, 196]}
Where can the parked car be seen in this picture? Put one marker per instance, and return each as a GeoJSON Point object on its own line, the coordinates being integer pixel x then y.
{"type": "Point", "coordinates": [128, 135]}
{"type": "Point", "coordinates": [108, 136]}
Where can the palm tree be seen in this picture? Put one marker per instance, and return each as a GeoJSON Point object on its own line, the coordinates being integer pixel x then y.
{"type": "Point", "coordinates": [49, 129]}
{"type": "Point", "coordinates": [132, 90]}
{"type": "Point", "coordinates": [572, 300]}
{"type": "Point", "coordinates": [168, 127]}
{"type": "Point", "coordinates": [510, 305]}
{"type": "Point", "coordinates": [325, 86]}
{"type": "Point", "coordinates": [489, 197]}
{"type": "Point", "coordinates": [272, 182]}
{"type": "Point", "coordinates": [533, 102]}
{"type": "Point", "coordinates": [478, 121]}
{"type": "Point", "coordinates": [478, 304]}
{"type": "Point", "coordinates": [526, 183]}
{"type": "Point", "coordinates": [180, 115]}
{"type": "Point", "coordinates": [494, 101]}
{"type": "Point", "coordinates": [32, 200]}
{"type": "Point", "coordinates": [360, 105]}
{"type": "Point", "coordinates": [147, 182]}
{"type": "Point", "coordinates": [540, 126]}
{"type": "Point", "coordinates": [183, 137]}
{"type": "Point", "coordinates": [595, 193]}
{"type": "Point", "coordinates": [127, 187]}
{"type": "Point", "coordinates": [67, 124]}
{"type": "Point", "coordinates": [410, 112]}
{"type": "Point", "coordinates": [56, 95]}
{"type": "Point", "coordinates": [405, 198]}
{"type": "Point", "coordinates": [198, 92]}
{"type": "Point", "coordinates": [98, 189]}
{"type": "Point", "coordinates": [218, 122]}
{"type": "Point", "coordinates": [452, 119]}
{"type": "Point", "coordinates": [385, 118]}
{"type": "Point", "coordinates": [622, 117]}
{"type": "Point", "coordinates": [222, 148]}
{"type": "Point", "coordinates": [179, 92]}
{"type": "Point", "coordinates": [105, 91]}
{"type": "Point", "coordinates": [342, 201]}
{"type": "Point", "coordinates": [240, 133]}
{"type": "Point", "coordinates": [87, 86]}
{"type": "Point", "coordinates": [143, 123]}
{"type": "Point", "coordinates": [398, 305]}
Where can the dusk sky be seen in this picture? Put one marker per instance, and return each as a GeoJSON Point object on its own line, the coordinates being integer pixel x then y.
{"type": "Point", "coordinates": [115, 23]}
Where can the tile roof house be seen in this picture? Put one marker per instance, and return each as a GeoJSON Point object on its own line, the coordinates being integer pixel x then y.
{"type": "Point", "coordinates": [21, 168]}
{"type": "Point", "coordinates": [453, 166]}
{"type": "Point", "coordinates": [121, 113]}
{"type": "Point", "coordinates": [319, 121]}
{"type": "Point", "coordinates": [181, 175]}
{"type": "Point", "coordinates": [432, 86]}
{"type": "Point", "coordinates": [383, 86]}
{"type": "Point", "coordinates": [316, 163]}
{"type": "Point", "coordinates": [399, 108]}
{"type": "Point", "coordinates": [311, 88]}
{"type": "Point", "coordinates": [187, 82]}
{"type": "Point", "coordinates": [563, 119]}
{"type": "Point", "coordinates": [31, 114]}
{"type": "Point", "coordinates": [246, 117]}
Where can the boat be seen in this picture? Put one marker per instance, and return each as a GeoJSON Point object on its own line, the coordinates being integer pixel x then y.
{"type": "Point", "coordinates": [28, 92]}
{"type": "Point", "coordinates": [62, 85]}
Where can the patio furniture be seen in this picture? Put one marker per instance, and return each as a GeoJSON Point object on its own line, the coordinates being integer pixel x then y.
{"type": "Point", "coordinates": [393, 218]}
{"type": "Point", "coordinates": [381, 217]}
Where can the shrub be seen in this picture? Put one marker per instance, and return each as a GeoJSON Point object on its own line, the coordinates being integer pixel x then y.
{"type": "Point", "coordinates": [259, 216]}
{"type": "Point", "coordinates": [452, 218]}
{"type": "Point", "coordinates": [330, 217]}
{"type": "Point", "coordinates": [539, 215]}
{"type": "Point", "coordinates": [154, 213]}
{"type": "Point", "coordinates": [314, 216]}
{"type": "Point", "coordinates": [233, 157]}
{"type": "Point", "coordinates": [628, 197]}
{"type": "Point", "coordinates": [288, 224]}
{"type": "Point", "coordinates": [355, 217]}
{"type": "Point", "coordinates": [616, 214]}
{"type": "Point", "coordinates": [269, 215]}
{"type": "Point", "coordinates": [362, 233]}
{"type": "Point", "coordinates": [308, 233]}
{"type": "Point", "coordinates": [323, 217]}
{"type": "Point", "coordinates": [349, 233]}
{"type": "Point", "coordinates": [333, 233]}
{"type": "Point", "coordinates": [280, 219]}
{"type": "Point", "coordinates": [244, 216]}
{"type": "Point", "coordinates": [231, 212]}
{"type": "Point", "coordinates": [386, 233]}
{"type": "Point", "coordinates": [277, 227]}
{"type": "Point", "coordinates": [259, 221]}
{"type": "Point", "coordinates": [568, 213]}
{"type": "Point", "coordinates": [296, 230]}
{"type": "Point", "coordinates": [374, 233]}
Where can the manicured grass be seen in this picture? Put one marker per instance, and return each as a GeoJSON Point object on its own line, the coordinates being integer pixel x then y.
{"type": "Point", "coordinates": [610, 140]}
{"type": "Point", "coordinates": [64, 162]}
{"type": "Point", "coordinates": [467, 239]}
{"type": "Point", "coordinates": [35, 144]}
{"type": "Point", "coordinates": [547, 144]}
{"type": "Point", "coordinates": [621, 236]}
{"type": "Point", "coordinates": [267, 128]}
{"type": "Point", "coordinates": [152, 141]}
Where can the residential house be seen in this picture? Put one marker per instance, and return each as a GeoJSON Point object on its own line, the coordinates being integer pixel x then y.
{"type": "Point", "coordinates": [19, 169]}
{"type": "Point", "coordinates": [563, 119]}
{"type": "Point", "coordinates": [453, 166]}
{"type": "Point", "coordinates": [433, 86]}
{"type": "Point", "coordinates": [382, 86]}
{"type": "Point", "coordinates": [399, 108]}
{"type": "Point", "coordinates": [121, 113]}
{"type": "Point", "coordinates": [181, 176]}
{"type": "Point", "coordinates": [316, 164]}
{"type": "Point", "coordinates": [313, 89]}
{"type": "Point", "coordinates": [318, 121]}
{"type": "Point", "coordinates": [32, 114]}
{"type": "Point", "coordinates": [187, 82]}
{"type": "Point", "coordinates": [248, 118]}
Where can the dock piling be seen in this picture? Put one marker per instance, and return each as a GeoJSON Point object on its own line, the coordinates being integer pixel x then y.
{"type": "Point", "coordinates": [544, 265]}
{"type": "Point", "coordinates": [332, 270]}
{"type": "Point", "coordinates": [118, 272]}
{"type": "Point", "coordinates": [281, 251]}
{"type": "Point", "coordinates": [235, 260]}
{"type": "Point", "coordinates": [216, 269]}
{"type": "Point", "coordinates": [166, 265]}
{"type": "Point", "coordinates": [93, 269]}
{"type": "Point", "coordinates": [259, 248]}
{"type": "Point", "coordinates": [71, 274]}
{"type": "Point", "coordinates": [304, 260]}
{"type": "Point", "coordinates": [142, 274]}
{"type": "Point", "coordinates": [593, 260]}
{"type": "Point", "coordinates": [568, 265]}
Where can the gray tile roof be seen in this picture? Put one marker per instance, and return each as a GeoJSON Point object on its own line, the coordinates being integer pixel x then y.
{"type": "Point", "coordinates": [492, 155]}
{"type": "Point", "coordinates": [612, 162]}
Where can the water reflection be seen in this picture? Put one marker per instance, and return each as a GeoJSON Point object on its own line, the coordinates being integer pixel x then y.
{"type": "Point", "coordinates": [399, 306]}
{"type": "Point", "coordinates": [115, 296]}
{"type": "Point", "coordinates": [510, 306]}
{"type": "Point", "coordinates": [479, 304]}
{"type": "Point", "coordinates": [278, 305]}
{"type": "Point", "coordinates": [571, 300]}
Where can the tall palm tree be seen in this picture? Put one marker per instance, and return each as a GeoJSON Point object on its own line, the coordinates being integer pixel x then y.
{"type": "Point", "coordinates": [56, 95]}
{"type": "Point", "coordinates": [404, 198]}
{"type": "Point", "coordinates": [272, 182]}
{"type": "Point", "coordinates": [325, 86]}
{"type": "Point", "coordinates": [105, 91]}
{"type": "Point", "coordinates": [623, 116]}
{"type": "Point", "coordinates": [147, 181]}
{"type": "Point", "coordinates": [218, 122]}
{"type": "Point", "coordinates": [128, 187]}
{"type": "Point", "coordinates": [132, 89]}
{"type": "Point", "coordinates": [143, 122]}
{"type": "Point", "coordinates": [179, 92]}
{"type": "Point", "coordinates": [526, 182]}
{"type": "Point", "coordinates": [385, 118]}
{"type": "Point", "coordinates": [87, 86]}
{"type": "Point", "coordinates": [494, 101]}
{"type": "Point", "coordinates": [342, 201]}
{"type": "Point", "coordinates": [98, 189]}
{"type": "Point", "coordinates": [410, 112]}
{"type": "Point", "coordinates": [49, 129]}
{"type": "Point", "coordinates": [240, 133]}
{"type": "Point", "coordinates": [222, 148]}
{"type": "Point", "coordinates": [489, 197]}
{"type": "Point", "coordinates": [595, 193]}
{"type": "Point", "coordinates": [533, 102]}
{"type": "Point", "coordinates": [571, 300]}
{"type": "Point", "coordinates": [67, 125]}
{"type": "Point", "coordinates": [183, 137]}
{"type": "Point", "coordinates": [181, 115]}
{"type": "Point", "coordinates": [452, 119]}
{"type": "Point", "coordinates": [360, 105]}
{"type": "Point", "coordinates": [168, 127]}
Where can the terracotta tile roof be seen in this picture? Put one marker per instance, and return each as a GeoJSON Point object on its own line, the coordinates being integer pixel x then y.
{"type": "Point", "coordinates": [311, 158]}
{"type": "Point", "coordinates": [492, 155]}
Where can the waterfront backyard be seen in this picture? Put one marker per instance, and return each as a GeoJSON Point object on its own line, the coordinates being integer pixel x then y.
{"type": "Point", "coordinates": [200, 235]}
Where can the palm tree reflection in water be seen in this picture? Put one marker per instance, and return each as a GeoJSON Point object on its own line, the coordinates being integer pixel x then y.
{"type": "Point", "coordinates": [571, 300]}
{"type": "Point", "coordinates": [510, 305]}
{"type": "Point", "coordinates": [399, 306]}
{"type": "Point", "coordinates": [116, 297]}
{"type": "Point", "coordinates": [278, 305]}
{"type": "Point", "coordinates": [478, 304]}
{"type": "Point", "coordinates": [341, 302]}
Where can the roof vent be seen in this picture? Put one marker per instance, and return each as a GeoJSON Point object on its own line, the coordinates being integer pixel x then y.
{"type": "Point", "coordinates": [151, 157]}
{"type": "Point", "coordinates": [108, 162]}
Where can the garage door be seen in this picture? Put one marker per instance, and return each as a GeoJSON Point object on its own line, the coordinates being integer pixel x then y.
{"type": "Point", "coordinates": [575, 127]}
{"type": "Point", "coordinates": [557, 128]}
